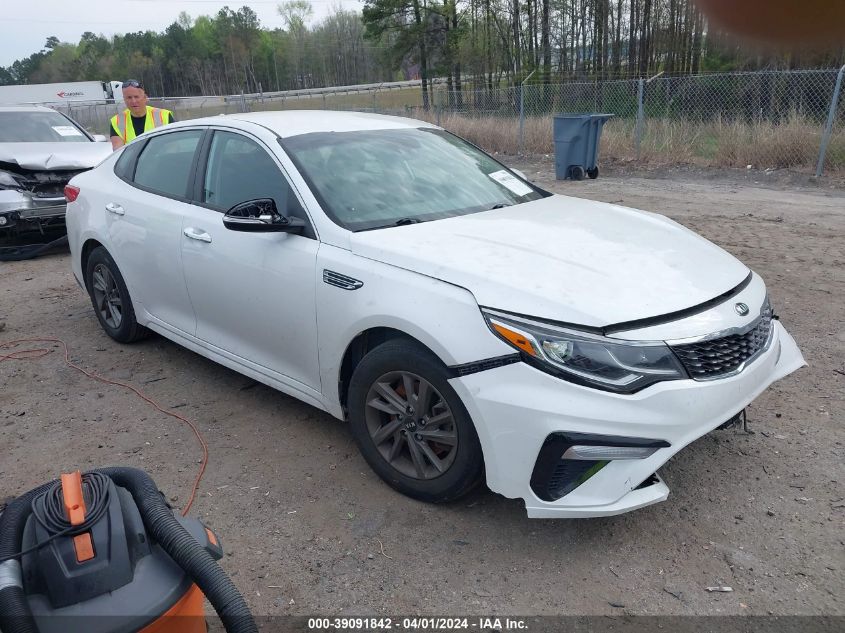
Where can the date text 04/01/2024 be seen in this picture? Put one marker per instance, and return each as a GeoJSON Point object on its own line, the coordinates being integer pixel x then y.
{"type": "Point", "coordinates": [417, 623]}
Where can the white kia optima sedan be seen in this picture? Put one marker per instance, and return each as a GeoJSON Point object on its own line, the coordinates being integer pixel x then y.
{"type": "Point", "coordinates": [469, 325]}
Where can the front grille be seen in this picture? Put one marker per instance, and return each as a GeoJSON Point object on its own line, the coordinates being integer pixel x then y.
{"type": "Point", "coordinates": [46, 184]}
{"type": "Point", "coordinates": [719, 356]}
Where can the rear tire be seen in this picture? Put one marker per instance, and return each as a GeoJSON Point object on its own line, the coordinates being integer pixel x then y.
{"type": "Point", "coordinates": [110, 298]}
{"type": "Point", "coordinates": [411, 425]}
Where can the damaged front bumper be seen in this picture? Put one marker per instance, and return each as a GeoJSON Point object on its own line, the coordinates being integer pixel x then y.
{"type": "Point", "coordinates": [32, 194]}
{"type": "Point", "coordinates": [520, 409]}
{"type": "Point", "coordinates": [19, 209]}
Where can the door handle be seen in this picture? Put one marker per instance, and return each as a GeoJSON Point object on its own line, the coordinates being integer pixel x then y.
{"type": "Point", "coordinates": [111, 207]}
{"type": "Point", "coordinates": [195, 234]}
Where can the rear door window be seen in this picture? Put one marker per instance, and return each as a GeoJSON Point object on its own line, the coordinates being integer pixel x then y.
{"type": "Point", "coordinates": [164, 165]}
{"type": "Point", "coordinates": [125, 165]}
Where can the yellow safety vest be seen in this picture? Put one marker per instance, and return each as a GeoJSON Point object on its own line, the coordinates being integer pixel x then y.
{"type": "Point", "coordinates": [156, 117]}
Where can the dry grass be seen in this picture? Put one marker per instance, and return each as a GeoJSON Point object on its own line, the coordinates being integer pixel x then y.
{"type": "Point", "coordinates": [793, 143]}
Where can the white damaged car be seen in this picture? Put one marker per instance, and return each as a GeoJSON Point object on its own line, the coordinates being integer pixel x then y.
{"type": "Point", "coordinates": [40, 151]}
{"type": "Point", "coordinates": [469, 325]}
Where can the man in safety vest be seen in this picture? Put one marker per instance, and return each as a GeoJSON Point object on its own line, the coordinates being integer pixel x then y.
{"type": "Point", "coordinates": [138, 117]}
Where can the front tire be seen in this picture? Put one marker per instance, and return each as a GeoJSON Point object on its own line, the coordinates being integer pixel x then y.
{"type": "Point", "coordinates": [410, 424]}
{"type": "Point", "coordinates": [110, 298]}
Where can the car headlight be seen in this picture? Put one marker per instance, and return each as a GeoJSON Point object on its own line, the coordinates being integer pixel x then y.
{"type": "Point", "coordinates": [7, 180]}
{"type": "Point", "coordinates": [587, 359]}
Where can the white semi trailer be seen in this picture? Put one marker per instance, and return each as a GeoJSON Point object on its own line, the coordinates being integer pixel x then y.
{"type": "Point", "coordinates": [63, 93]}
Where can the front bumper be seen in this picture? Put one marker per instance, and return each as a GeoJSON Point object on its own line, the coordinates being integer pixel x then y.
{"type": "Point", "coordinates": [20, 208]}
{"type": "Point", "coordinates": [516, 407]}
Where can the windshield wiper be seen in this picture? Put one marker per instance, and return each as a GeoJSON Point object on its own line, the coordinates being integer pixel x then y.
{"type": "Point", "coordinates": [399, 222]}
{"type": "Point", "coordinates": [500, 205]}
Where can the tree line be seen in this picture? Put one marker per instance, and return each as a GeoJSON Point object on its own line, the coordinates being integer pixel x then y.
{"type": "Point", "coordinates": [226, 53]}
{"type": "Point", "coordinates": [488, 43]}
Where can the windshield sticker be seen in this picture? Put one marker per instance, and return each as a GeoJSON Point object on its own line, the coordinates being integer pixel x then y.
{"type": "Point", "coordinates": [67, 130]}
{"type": "Point", "coordinates": [514, 184]}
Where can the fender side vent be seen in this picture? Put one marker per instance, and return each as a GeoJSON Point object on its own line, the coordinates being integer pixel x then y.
{"type": "Point", "coordinates": [341, 281]}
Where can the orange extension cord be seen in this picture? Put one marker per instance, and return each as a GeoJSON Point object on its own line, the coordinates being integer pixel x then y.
{"type": "Point", "coordinates": [31, 354]}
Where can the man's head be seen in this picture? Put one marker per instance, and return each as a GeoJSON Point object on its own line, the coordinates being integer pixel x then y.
{"type": "Point", "coordinates": [135, 97]}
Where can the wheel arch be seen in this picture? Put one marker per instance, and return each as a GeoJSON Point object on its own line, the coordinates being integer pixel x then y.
{"type": "Point", "coordinates": [399, 356]}
{"type": "Point", "coordinates": [361, 345]}
{"type": "Point", "coordinates": [85, 253]}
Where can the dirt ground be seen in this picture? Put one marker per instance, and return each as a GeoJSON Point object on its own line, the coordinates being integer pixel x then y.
{"type": "Point", "coordinates": [309, 529]}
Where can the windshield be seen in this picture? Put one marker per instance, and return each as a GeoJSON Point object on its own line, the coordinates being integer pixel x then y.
{"type": "Point", "coordinates": [378, 178]}
{"type": "Point", "coordinates": [39, 127]}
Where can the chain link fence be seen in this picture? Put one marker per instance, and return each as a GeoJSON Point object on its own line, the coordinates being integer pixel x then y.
{"type": "Point", "coordinates": [769, 120]}
{"type": "Point", "coordinates": [766, 119]}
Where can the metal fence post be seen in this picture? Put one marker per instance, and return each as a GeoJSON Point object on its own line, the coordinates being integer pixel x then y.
{"type": "Point", "coordinates": [834, 102]}
{"type": "Point", "coordinates": [521, 119]}
{"type": "Point", "coordinates": [640, 109]}
{"type": "Point", "coordinates": [522, 113]}
{"type": "Point", "coordinates": [638, 130]}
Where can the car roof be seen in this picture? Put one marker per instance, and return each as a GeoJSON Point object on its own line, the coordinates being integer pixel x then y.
{"type": "Point", "coordinates": [25, 108]}
{"type": "Point", "coordinates": [288, 123]}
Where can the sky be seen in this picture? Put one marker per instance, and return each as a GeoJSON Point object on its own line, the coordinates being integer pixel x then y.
{"type": "Point", "coordinates": [26, 24]}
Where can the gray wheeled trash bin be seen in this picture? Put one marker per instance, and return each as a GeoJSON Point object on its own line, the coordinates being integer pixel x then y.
{"type": "Point", "coordinates": [576, 139]}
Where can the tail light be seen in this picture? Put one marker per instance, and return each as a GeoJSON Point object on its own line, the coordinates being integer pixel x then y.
{"type": "Point", "coordinates": [71, 193]}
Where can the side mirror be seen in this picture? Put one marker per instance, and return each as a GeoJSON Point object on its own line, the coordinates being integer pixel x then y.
{"type": "Point", "coordinates": [260, 216]}
{"type": "Point", "coordinates": [101, 138]}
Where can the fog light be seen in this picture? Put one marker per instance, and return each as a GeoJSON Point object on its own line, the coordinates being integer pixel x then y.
{"type": "Point", "coordinates": [3, 220]}
{"type": "Point", "coordinates": [608, 452]}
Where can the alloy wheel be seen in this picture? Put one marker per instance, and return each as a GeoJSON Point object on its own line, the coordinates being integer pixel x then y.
{"type": "Point", "coordinates": [107, 297]}
{"type": "Point", "coordinates": [411, 425]}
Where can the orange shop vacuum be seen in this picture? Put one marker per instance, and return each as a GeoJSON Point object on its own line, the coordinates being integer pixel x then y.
{"type": "Point", "coordinates": [103, 552]}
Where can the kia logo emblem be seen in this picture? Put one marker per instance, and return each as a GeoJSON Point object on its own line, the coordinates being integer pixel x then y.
{"type": "Point", "coordinates": [741, 309]}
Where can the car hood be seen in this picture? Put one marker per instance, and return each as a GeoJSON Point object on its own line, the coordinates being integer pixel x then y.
{"type": "Point", "coordinates": [54, 156]}
{"type": "Point", "coordinates": [564, 259]}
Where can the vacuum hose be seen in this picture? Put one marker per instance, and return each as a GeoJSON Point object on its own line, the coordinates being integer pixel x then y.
{"type": "Point", "coordinates": [14, 609]}
{"type": "Point", "coordinates": [162, 526]}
